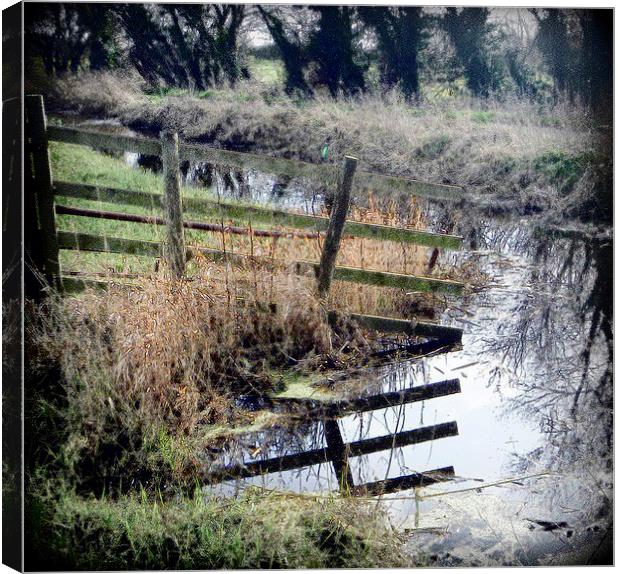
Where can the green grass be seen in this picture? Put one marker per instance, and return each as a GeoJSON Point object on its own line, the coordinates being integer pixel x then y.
{"type": "Point", "coordinates": [83, 165]}
{"type": "Point", "coordinates": [158, 94]}
{"type": "Point", "coordinates": [267, 71]}
{"type": "Point", "coordinates": [561, 168]}
{"type": "Point", "coordinates": [256, 530]}
{"type": "Point", "coordinates": [483, 117]}
{"type": "Point", "coordinates": [79, 164]}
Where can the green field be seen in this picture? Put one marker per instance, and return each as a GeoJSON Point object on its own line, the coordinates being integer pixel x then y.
{"type": "Point", "coordinates": [78, 164]}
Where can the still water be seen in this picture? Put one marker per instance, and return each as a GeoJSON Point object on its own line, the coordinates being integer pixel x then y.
{"type": "Point", "coordinates": [532, 460]}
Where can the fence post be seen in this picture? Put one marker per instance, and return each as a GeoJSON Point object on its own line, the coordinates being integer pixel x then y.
{"type": "Point", "coordinates": [174, 247]}
{"type": "Point", "coordinates": [339, 455]}
{"type": "Point", "coordinates": [336, 225]}
{"type": "Point", "coordinates": [40, 241]}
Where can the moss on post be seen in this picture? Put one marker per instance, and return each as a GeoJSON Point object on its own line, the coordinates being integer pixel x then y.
{"type": "Point", "coordinates": [174, 249]}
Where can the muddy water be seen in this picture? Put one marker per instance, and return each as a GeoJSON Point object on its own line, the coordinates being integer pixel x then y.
{"type": "Point", "coordinates": [532, 459]}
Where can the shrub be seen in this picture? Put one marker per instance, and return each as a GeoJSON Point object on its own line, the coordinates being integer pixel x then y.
{"type": "Point", "coordinates": [144, 372]}
{"type": "Point", "coordinates": [105, 93]}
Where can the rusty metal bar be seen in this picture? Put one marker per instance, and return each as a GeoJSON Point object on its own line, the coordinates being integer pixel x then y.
{"type": "Point", "coordinates": [200, 225]}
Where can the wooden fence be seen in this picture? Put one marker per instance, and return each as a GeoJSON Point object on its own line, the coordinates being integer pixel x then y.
{"type": "Point", "coordinates": [338, 453]}
{"type": "Point", "coordinates": [43, 202]}
{"type": "Point", "coordinates": [43, 241]}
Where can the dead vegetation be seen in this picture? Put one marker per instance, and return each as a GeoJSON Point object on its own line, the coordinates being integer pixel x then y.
{"type": "Point", "coordinates": [171, 356]}
{"type": "Point", "coordinates": [167, 358]}
{"type": "Point", "coordinates": [544, 159]}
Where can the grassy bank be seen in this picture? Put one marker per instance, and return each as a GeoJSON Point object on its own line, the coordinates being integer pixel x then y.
{"type": "Point", "coordinates": [81, 165]}
{"type": "Point", "coordinates": [544, 159]}
{"type": "Point", "coordinates": [256, 530]}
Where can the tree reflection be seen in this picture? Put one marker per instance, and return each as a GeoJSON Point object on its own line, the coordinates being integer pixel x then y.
{"type": "Point", "coordinates": [555, 342]}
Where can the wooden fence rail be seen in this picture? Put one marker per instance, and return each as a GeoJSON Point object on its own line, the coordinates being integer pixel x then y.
{"type": "Point", "coordinates": [246, 161]}
{"type": "Point", "coordinates": [88, 242]}
{"type": "Point", "coordinates": [242, 212]}
{"type": "Point", "coordinates": [198, 225]}
{"type": "Point", "coordinates": [321, 455]}
{"type": "Point", "coordinates": [172, 207]}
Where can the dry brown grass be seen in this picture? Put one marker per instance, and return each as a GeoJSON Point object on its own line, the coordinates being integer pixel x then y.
{"type": "Point", "coordinates": [170, 347]}
{"type": "Point", "coordinates": [378, 255]}
{"type": "Point", "coordinates": [173, 355]}
{"type": "Point", "coordinates": [489, 147]}
{"type": "Point", "coordinates": [102, 92]}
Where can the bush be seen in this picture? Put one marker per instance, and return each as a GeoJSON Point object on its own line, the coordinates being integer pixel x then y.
{"type": "Point", "coordinates": [145, 373]}
{"type": "Point", "coordinates": [105, 93]}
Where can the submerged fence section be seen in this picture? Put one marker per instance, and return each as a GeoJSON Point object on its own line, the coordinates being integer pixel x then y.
{"type": "Point", "coordinates": [338, 453]}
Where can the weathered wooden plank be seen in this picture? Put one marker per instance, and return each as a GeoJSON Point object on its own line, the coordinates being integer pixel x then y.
{"type": "Point", "coordinates": [417, 328]}
{"type": "Point", "coordinates": [40, 223]}
{"type": "Point", "coordinates": [341, 273]}
{"type": "Point", "coordinates": [386, 279]}
{"type": "Point", "coordinates": [408, 282]}
{"type": "Point", "coordinates": [321, 455]}
{"type": "Point", "coordinates": [105, 142]}
{"type": "Point", "coordinates": [108, 194]}
{"type": "Point", "coordinates": [105, 244]}
{"type": "Point", "coordinates": [158, 220]}
{"type": "Point", "coordinates": [77, 284]}
{"type": "Point", "coordinates": [89, 242]}
{"type": "Point", "coordinates": [331, 245]}
{"type": "Point", "coordinates": [405, 438]}
{"type": "Point", "coordinates": [319, 172]}
{"type": "Point", "coordinates": [401, 234]}
{"type": "Point", "coordinates": [341, 408]}
{"type": "Point", "coordinates": [414, 480]}
{"type": "Point", "coordinates": [174, 246]}
{"type": "Point", "coordinates": [241, 212]}
{"type": "Point", "coordinates": [247, 161]}
{"type": "Point", "coordinates": [368, 181]}
{"type": "Point", "coordinates": [400, 281]}
{"type": "Point", "coordinates": [430, 347]}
